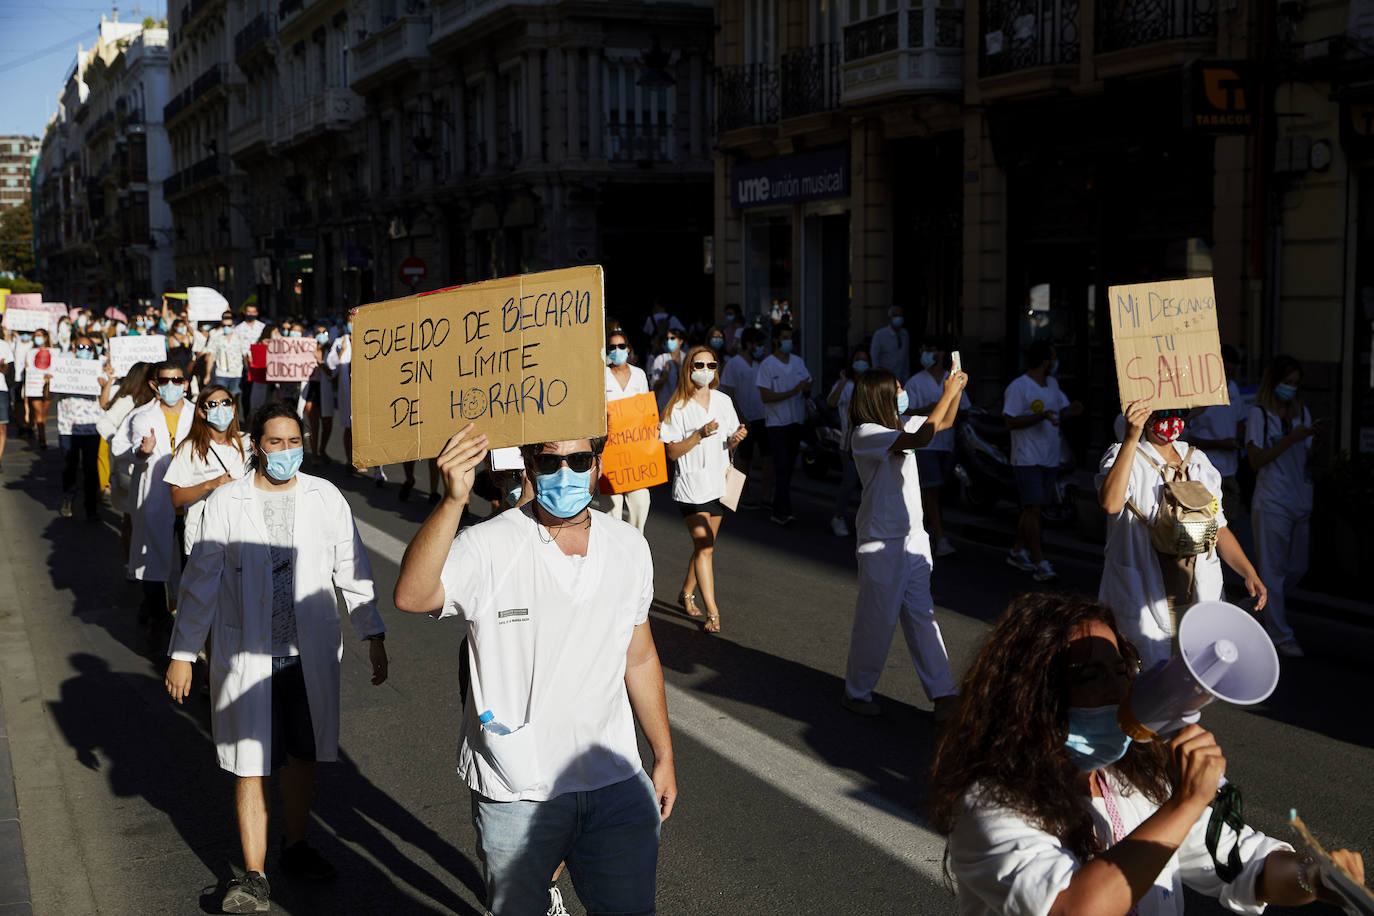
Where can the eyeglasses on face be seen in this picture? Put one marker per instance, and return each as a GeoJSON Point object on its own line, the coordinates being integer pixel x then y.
{"type": "Point", "coordinates": [225, 402]}
{"type": "Point", "coordinates": [549, 463]}
{"type": "Point", "coordinates": [704, 365]}
{"type": "Point", "coordinates": [620, 346]}
{"type": "Point", "coordinates": [175, 380]}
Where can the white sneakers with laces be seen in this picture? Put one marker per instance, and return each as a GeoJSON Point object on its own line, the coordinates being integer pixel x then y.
{"type": "Point", "coordinates": [1044, 572]}
{"type": "Point", "coordinates": [1021, 560]}
{"type": "Point", "coordinates": [556, 907]}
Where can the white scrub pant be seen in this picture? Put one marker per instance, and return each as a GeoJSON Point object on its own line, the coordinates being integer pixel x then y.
{"type": "Point", "coordinates": [638, 502]}
{"type": "Point", "coordinates": [1281, 538]}
{"type": "Point", "coordinates": [894, 585]}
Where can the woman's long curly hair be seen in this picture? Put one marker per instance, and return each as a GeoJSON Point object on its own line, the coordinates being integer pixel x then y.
{"type": "Point", "coordinates": [1007, 735]}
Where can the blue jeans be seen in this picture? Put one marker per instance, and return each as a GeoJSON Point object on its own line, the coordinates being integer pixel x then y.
{"type": "Point", "coordinates": [229, 383]}
{"type": "Point", "coordinates": [608, 837]}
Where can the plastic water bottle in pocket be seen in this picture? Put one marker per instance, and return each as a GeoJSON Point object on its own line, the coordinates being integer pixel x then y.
{"type": "Point", "coordinates": [488, 720]}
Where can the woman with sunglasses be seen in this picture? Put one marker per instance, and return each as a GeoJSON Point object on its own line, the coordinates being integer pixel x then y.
{"type": "Point", "coordinates": [150, 436]}
{"type": "Point", "coordinates": [213, 453]}
{"type": "Point", "coordinates": [624, 380]}
{"type": "Point", "coordinates": [1149, 590]}
{"type": "Point", "coordinates": [701, 430]}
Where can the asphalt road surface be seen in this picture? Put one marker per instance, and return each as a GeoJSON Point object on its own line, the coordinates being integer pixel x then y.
{"type": "Point", "coordinates": [788, 803]}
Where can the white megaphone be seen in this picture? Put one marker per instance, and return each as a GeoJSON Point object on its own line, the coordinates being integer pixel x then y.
{"type": "Point", "coordinates": [1223, 653]}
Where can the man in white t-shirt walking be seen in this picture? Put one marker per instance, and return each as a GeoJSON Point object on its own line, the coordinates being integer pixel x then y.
{"type": "Point", "coordinates": [782, 381]}
{"type": "Point", "coordinates": [1032, 407]}
{"type": "Point", "coordinates": [556, 601]}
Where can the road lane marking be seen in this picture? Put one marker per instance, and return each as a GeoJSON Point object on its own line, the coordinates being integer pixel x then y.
{"type": "Point", "coordinates": [839, 798]}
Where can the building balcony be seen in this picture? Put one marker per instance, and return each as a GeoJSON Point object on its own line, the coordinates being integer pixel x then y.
{"type": "Point", "coordinates": [253, 37]}
{"type": "Point", "coordinates": [641, 144]}
{"type": "Point", "coordinates": [453, 17]}
{"type": "Point", "coordinates": [383, 55]}
{"type": "Point", "coordinates": [331, 110]}
{"type": "Point", "coordinates": [809, 81]}
{"type": "Point", "coordinates": [189, 179]}
{"type": "Point", "coordinates": [747, 96]}
{"type": "Point", "coordinates": [252, 135]}
{"type": "Point", "coordinates": [1136, 36]}
{"type": "Point", "coordinates": [1027, 46]}
{"type": "Point", "coordinates": [919, 48]}
{"type": "Point", "coordinates": [206, 86]}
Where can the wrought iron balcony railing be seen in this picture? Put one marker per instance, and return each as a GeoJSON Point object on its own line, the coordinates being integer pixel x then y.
{"type": "Point", "coordinates": [873, 36]}
{"type": "Point", "coordinates": [258, 30]}
{"type": "Point", "coordinates": [639, 142]}
{"type": "Point", "coordinates": [809, 80]}
{"type": "Point", "coordinates": [748, 96]}
{"type": "Point", "coordinates": [1133, 23]}
{"type": "Point", "coordinates": [1020, 34]}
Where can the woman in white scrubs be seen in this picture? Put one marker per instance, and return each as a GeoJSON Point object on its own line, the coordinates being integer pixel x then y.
{"type": "Point", "coordinates": [624, 380]}
{"type": "Point", "coordinates": [1278, 437]}
{"type": "Point", "coordinates": [893, 547]}
{"type": "Point", "coordinates": [701, 429]}
{"type": "Point", "coordinates": [1049, 808]}
{"type": "Point", "coordinates": [214, 453]}
{"type": "Point", "coordinates": [1150, 592]}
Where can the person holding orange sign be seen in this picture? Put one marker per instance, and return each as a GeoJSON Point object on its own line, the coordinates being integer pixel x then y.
{"type": "Point", "coordinates": [624, 380]}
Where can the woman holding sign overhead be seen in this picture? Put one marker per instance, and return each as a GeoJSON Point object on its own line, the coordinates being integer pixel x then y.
{"type": "Point", "coordinates": [624, 381]}
{"type": "Point", "coordinates": [701, 429]}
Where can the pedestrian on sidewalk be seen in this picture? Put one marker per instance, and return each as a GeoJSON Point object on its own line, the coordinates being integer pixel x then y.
{"type": "Point", "coordinates": [841, 393]}
{"type": "Point", "coordinates": [151, 434]}
{"type": "Point", "coordinates": [1148, 587]}
{"type": "Point", "coordinates": [893, 547]}
{"type": "Point", "coordinates": [1049, 808]}
{"type": "Point", "coordinates": [936, 460]}
{"type": "Point", "coordinates": [213, 454]}
{"type": "Point", "coordinates": [556, 600]}
{"type": "Point", "coordinates": [274, 548]}
{"type": "Point", "coordinates": [1278, 437]}
{"type": "Point", "coordinates": [700, 432]}
{"type": "Point", "coordinates": [739, 382]}
{"type": "Point", "coordinates": [783, 381]}
{"type": "Point", "coordinates": [78, 416]}
{"type": "Point", "coordinates": [1033, 407]}
{"type": "Point", "coordinates": [624, 380]}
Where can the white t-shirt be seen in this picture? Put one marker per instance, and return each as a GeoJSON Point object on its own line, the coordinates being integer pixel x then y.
{"type": "Point", "coordinates": [186, 470]}
{"type": "Point", "coordinates": [923, 389]}
{"type": "Point", "coordinates": [21, 358]}
{"type": "Point", "coordinates": [842, 406]}
{"type": "Point", "coordinates": [1003, 864]}
{"type": "Point", "coordinates": [777, 376]}
{"type": "Point", "coordinates": [6, 356]}
{"type": "Point", "coordinates": [891, 503]}
{"type": "Point", "coordinates": [1283, 484]}
{"type": "Point", "coordinates": [547, 643]}
{"type": "Point", "coordinates": [1221, 421]}
{"type": "Point", "coordinates": [664, 364]}
{"type": "Point", "coordinates": [1038, 444]}
{"type": "Point", "coordinates": [701, 472]}
{"type": "Point", "coordinates": [638, 384]}
{"type": "Point", "coordinates": [741, 377]}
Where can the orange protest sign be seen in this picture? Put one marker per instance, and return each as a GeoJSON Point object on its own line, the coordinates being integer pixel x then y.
{"type": "Point", "coordinates": [633, 458]}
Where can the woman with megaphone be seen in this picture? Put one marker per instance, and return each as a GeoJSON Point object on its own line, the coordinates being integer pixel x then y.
{"type": "Point", "coordinates": [1050, 809]}
{"type": "Point", "coordinates": [1166, 531]}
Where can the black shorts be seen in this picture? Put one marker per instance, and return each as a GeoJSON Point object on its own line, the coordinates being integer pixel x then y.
{"type": "Point", "coordinates": [312, 392]}
{"type": "Point", "coordinates": [757, 440]}
{"type": "Point", "coordinates": [293, 731]}
{"type": "Point", "coordinates": [713, 507]}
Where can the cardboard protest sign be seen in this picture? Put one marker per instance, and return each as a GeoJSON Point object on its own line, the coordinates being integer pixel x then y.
{"type": "Point", "coordinates": [521, 357]}
{"type": "Point", "coordinates": [76, 376]}
{"type": "Point", "coordinates": [204, 304]}
{"type": "Point", "coordinates": [634, 456]}
{"type": "Point", "coordinates": [38, 365]}
{"type": "Point", "coordinates": [22, 320]}
{"type": "Point", "coordinates": [126, 351]}
{"type": "Point", "coordinates": [1167, 348]}
{"type": "Point", "coordinates": [257, 362]}
{"type": "Point", "coordinates": [291, 359]}
{"type": "Point", "coordinates": [58, 310]}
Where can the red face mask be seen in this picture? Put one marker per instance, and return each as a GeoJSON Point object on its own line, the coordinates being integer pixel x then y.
{"type": "Point", "coordinates": [1167, 430]}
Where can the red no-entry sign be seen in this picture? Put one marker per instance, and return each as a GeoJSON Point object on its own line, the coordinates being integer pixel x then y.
{"type": "Point", "coordinates": [413, 271]}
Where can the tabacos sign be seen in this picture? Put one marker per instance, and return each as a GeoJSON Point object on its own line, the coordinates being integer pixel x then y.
{"type": "Point", "coordinates": [1221, 96]}
{"type": "Point", "coordinates": [798, 178]}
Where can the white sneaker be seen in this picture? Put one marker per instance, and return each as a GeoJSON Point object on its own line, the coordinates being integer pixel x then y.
{"type": "Point", "coordinates": [1020, 559]}
{"type": "Point", "coordinates": [837, 525]}
{"type": "Point", "coordinates": [944, 548]}
{"type": "Point", "coordinates": [1045, 572]}
{"type": "Point", "coordinates": [556, 907]}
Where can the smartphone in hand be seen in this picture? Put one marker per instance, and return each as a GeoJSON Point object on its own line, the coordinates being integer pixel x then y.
{"type": "Point", "coordinates": [956, 364]}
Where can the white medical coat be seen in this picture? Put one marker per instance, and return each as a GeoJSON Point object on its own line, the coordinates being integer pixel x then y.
{"type": "Point", "coordinates": [1132, 585]}
{"type": "Point", "coordinates": [153, 551]}
{"type": "Point", "coordinates": [340, 360]}
{"type": "Point", "coordinates": [227, 590]}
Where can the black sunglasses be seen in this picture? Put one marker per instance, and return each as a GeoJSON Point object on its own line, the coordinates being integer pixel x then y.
{"type": "Point", "coordinates": [704, 365]}
{"type": "Point", "coordinates": [227, 402]}
{"type": "Point", "coordinates": [549, 463]}
{"type": "Point", "coordinates": [174, 381]}
{"type": "Point", "coordinates": [620, 346]}
{"type": "Point", "coordinates": [84, 347]}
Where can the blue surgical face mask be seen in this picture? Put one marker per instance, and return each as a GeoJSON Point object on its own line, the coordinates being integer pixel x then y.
{"type": "Point", "coordinates": [171, 394]}
{"type": "Point", "coordinates": [350, 327]}
{"type": "Point", "coordinates": [760, 351]}
{"type": "Point", "coordinates": [226, 329]}
{"type": "Point", "coordinates": [322, 337]}
{"type": "Point", "coordinates": [618, 357]}
{"type": "Point", "coordinates": [283, 465]}
{"type": "Point", "coordinates": [927, 359]}
{"type": "Point", "coordinates": [672, 345]}
{"type": "Point", "coordinates": [1285, 392]}
{"type": "Point", "coordinates": [1054, 367]}
{"type": "Point", "coordinates": [85, 354]}
{"type": "Point", "coordinates": [717, 343]}
{"type": "Point", "coordinates": [785, 346]}
{"type": "Point", "coordinates": [26, 337]}
{"type": "Point", "coordinates": [513, 493]}
{"type": "Point", "coordinates": [564, 493]}
{"type": "Point", "coordinates": [220, 417]}
{"type": "Point", "coordinates": [294, 334]}
{"type": "Point", "coordinates": [1095, 740]}
{"type": "Point", "coordinates": [903, 402]}
{"type": "Point", "coordinates": [860, 365]}
{"type": "Point", "coordinates": [898, 321]}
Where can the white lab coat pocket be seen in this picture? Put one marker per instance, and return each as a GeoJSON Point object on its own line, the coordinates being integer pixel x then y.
{"type": "Point", "coordinates": [514, 758]}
